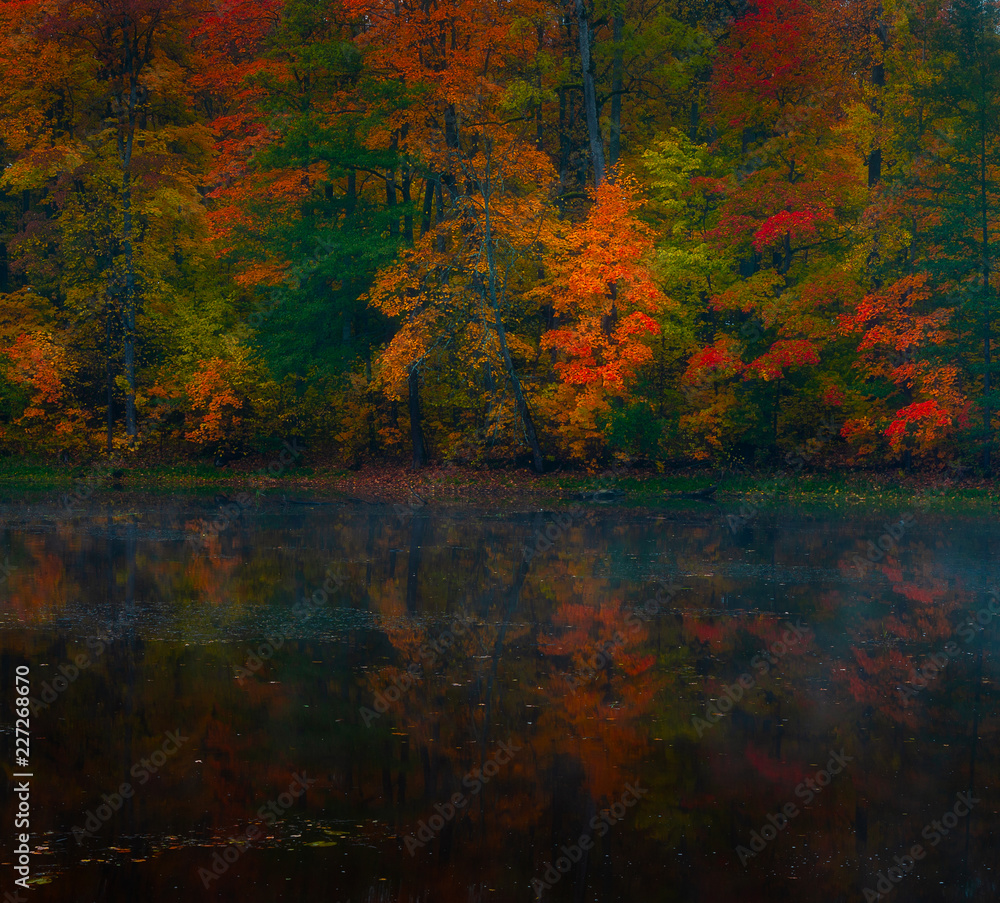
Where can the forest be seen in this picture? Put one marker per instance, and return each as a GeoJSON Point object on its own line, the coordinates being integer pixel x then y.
{"type": "Point", "coordinates": [670, 233]}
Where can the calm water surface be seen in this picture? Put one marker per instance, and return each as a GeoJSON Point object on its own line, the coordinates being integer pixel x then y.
{"type": "Point", "coordinates": [647, 708]}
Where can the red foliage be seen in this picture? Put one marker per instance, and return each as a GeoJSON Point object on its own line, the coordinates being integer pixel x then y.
{"type": "Point", "coordinates": [924, 411]}
{"type": "Point", "coordinates": [783, 355]}
{"type": "Point", "coordinates": [797, 225]}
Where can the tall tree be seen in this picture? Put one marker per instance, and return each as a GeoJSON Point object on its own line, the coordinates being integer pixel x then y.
{"type": "Point", "coordinates": [608, 303]}
{"type": "Point", "coordinates": [589, 91]}
{"type": "Point", "coordinates": [468, 126]}
{"type": "Point", "coordinates": [927, 239]}
{"type": "Point", "coordinates": [781, 92]}
{"type": "Point", "coordinates": [122, 37]}
{"type": "Point", "coordinates": [106, 156]}
{"type": "Point", "coordinates": [960, 201]}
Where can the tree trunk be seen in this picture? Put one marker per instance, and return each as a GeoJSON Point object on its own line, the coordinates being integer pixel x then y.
{"type": "Point", "coordinates": [590, 95]}
{"type": "Point", "coordinates": [352, 191]}
{"type": "Point", "coordinates": [439, 198]}
{"type": "Point", "coordinates": [126, 113]}
{"type": "Point", "coordinates": [539, 124]}
{"type": "Point", "coordinates": [786, 258]}
{"type": "Point", "coordinates": [491, 281]}
{"type": "Point", "coordinates": [451, 141]}
{"type": "Point", "coordinates": [774, 425]}
{"type": "Point", "coordinates": [425, 213]}
{"type": "Point", "coordinates": [416, 428]}
{"type": "Point", "coordinates": [987, 406]}
{"type": "Point", "coordinates": [110, 385]}
{"type": "Point", "coordinates": [390, 202]}
{"type": "Point", "coordinates": [987, 292]}
{"type": "Point", "coordinates": [407, 178]}
{"type": "Point", "coordinates": [129, 308]}
{"type": "Point", "coordinates": [617, 80]}
{"type": "Point", "coordinates": [878, 84]}
{"type": "Point", "coordinates": [565, 146]}
{"type": "Point", "coordinates": [128, 296]}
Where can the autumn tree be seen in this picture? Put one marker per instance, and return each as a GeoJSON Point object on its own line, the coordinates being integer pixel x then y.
{"type": "Point", "coordinates": [904, 341]}
{"type": "Point", "coordinates": [638, 65]}
{"type": "Point", "coordinates": [106, 155]}
{"type": "Point", "coordinates": [780, 93]}
{"type": "Point", "coordinates": [607, 303]}
{"type": "Point", "coordinates": [304, 209]}
{"type": "Point", "coordinates": [925, 241]}
{"type": "Point", "coordinates": [122, 37]}
{"type": "Point", "coordinates": [954, 197]}
{"type": "Point", "coordinates": [468, 128]}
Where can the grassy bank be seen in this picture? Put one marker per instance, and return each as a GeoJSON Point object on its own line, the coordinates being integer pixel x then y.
{"type": "Point", "coordinates": [740, 494]}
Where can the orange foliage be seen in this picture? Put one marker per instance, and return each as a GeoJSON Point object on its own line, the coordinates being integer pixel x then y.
{"type": "Point", "coordinates": [41, 367]}
{"type": "Point", "coordinates": [39, 364]}
{"type": "Point", "coordinates": [456, 51]}
{"type": "Point", "coordinates": [212, 394]}
{"type": "Point", "coordinates": [607, 299]}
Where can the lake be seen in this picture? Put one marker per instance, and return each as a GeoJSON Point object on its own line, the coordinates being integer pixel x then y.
{"type": "Point", "coordinates": [368, 703]}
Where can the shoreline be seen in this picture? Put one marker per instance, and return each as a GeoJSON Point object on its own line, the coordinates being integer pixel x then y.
{"type": "Point", "coordinates": [443, 485]}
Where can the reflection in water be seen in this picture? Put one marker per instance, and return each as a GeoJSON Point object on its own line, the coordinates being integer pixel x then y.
{"type": "Point", "coordinates": [384, 708]}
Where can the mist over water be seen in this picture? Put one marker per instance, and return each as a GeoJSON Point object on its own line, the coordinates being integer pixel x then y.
{"type": "Point", "coordinates": [354, 703]}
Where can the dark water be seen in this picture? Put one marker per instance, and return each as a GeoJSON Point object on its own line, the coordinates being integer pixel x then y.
{"type": "Point", "coordinates": [454, 720]}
